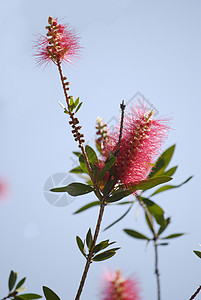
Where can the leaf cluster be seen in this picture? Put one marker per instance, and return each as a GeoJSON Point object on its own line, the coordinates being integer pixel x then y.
{"type": "Point", "coordinates": [95, 250]}
{"type": "Point", "coordinates": [15, 288]}
{"type": "Point", "coordinates": [74, 106]}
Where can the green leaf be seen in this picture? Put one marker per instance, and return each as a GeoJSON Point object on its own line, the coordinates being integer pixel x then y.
{"type": "Point", "coordinates": [83, 164]}
{"type": "Point", "coordinates": [77, 101]}
{"type": "Point", "coordinates": [155, 210]}
{"type": "Point", "coordinates": [168, 187]}
{"type": "Point", "coordinates": [100, 246]}
{"type": "Point", "coordinates": [77, 170]}
{"type": "Point", "coordinates": [149, 220]}
{"type": "Point", "coordinates": [91, 154]}
{"type": "Point", "coordinates": [171, 171]}
{"type": "Point", "coordinates": [72, 104]}
{"type": "Point", "coordinates": [62, 189]}
{"type": "Point", "coordinates": [162, 162]}
{"type": "Point", "coordinates": [71, 101]}
{"type": "Point", "coordinates": [12, 279]}
{"type": "Point", "coordinates": [89, 205]}
{"type": "Point", "coordinates": [136, 234]}
{"type": "Point", "coordinates": [108, 165]}
{"type": "Point", "coordinates": [19, 298]}
{"type": "Point", "coordinates": [89, 238]}
{"type": "Point", "coordinates": [49, 294]}
{"type": "Point", "coordinates": [80, 245]}
{"type": "Point", "coordinates": [20, 283]}
{"type": "Point", "coordinates": [95, 170]}
{"type": "Point", "coordinates": [109, 186]}
{"type": "Point", "coordinates": [198, 253]}
{"type": "Point", "coordinates": [118, 196]}
{"type": "Point", "coordinates": [149, 183]}
{"type": "Point", "coordinates": [30, 296]}
{"type": "Point", "coordinates": [163, 244]}
{"type": "Point", "coordinates": [172, 236]}
{"type": "Point", "coordinates": [104, 255]}
{"type": "Point", "coordinates": [77, 189]}
{"type": "Point", "coordinates": [80, 104]}
{"type": "Point", "coordinates": [124, 202]}
{"type": "Point", "coordinates": [119, 219]}
{"type": "Point", "coordinates": [164, 226]}
{"type": "Point", "coordinates": [77, 153]}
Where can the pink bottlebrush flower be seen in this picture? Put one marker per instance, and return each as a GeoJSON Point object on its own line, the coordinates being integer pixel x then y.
{"type": "Point", "coordinates": [115, 287]}
{"type": "Point", "coordinates": [60, 44]}
{"type": "Point", "coordinates": [141, 142]}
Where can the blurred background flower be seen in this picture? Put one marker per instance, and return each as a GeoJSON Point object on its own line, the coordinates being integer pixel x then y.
{"type": "Point", "coordinates": [116, 287]}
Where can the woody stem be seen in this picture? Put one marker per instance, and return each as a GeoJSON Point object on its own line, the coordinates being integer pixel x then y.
{"type": "Point", "coordinates": [87, 265]}
{"type": "Point", "coordinates": [81, 146]}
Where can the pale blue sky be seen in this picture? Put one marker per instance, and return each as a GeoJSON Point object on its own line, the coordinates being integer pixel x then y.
{"type": "Point", "coordinates": [152, 47]}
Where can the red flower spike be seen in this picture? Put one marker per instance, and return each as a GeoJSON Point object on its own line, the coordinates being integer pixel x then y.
{"type": "Point", "coordinates": [115, 287]}
{"type": "Point", "coordinates": [59, 45]}
{"type": "Point", "coordinates": [140, 146]}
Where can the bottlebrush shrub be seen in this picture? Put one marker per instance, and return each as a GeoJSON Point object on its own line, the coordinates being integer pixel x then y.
{"type": "Point", "coordinates": [127, 164]}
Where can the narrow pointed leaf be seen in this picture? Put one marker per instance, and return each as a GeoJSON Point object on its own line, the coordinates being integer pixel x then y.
{"type": "Point", "coordinates": [149, 183]}
{"type": "Point", "coordinates": [124, 202]}
{"type": "Point", "coordinates": [30, 296]}
{"type": "Point", "coordinates": [83, 164]}
{"type": "Point", "coordinates": [77, 189]}
{"type": "Point", "coordinates": [104, 255]}
{"type": "Point", "coordinates": [62, 189]}
{"type": "Point", "coordinates": [155, 210]}
{"type": "Point", "coordinates": [162, 162]}
{"type": "Point", "coordinates": [171, 171]}
{"type": "Point", "coordinates": [119, 218]}
{"type": "Point", "coordinates": [109, 186]}
{"type": "Point", "coordinates": [77, 101]}
{"type": "Point", "coordinates": [118, 196]}
{"type": "Point", "coordinates": [49, 294]}
{"type": "Point", "coordinates": [80, 245]}
{"type": "Point", "coordinates": [77, 153]}
{"type": "Point", "coordinates": [168, 187]}
{"type": "Point", "coordinates": [89, 239]}
{"type": "Point", "coordinates": [198, 253]}
{"type": "Point", "coordinates": [80, 104]}
{"type": "Point", "coordinates": [20, 283]}
{"type": "Point", "coordinates": [95, 203]}
{"type": "Point", "coordinates": [102, 245]}
{"type": "Point", "coordinates": [163, 244]}
{"type": "Point", "coordinates": [172, 236]}
{"type": "Point", "coordinates": [12, 280]}
{"type": "Point", "coordinates": [91, 154]}
{"type": "Point", "coordinates": [149, 220]}
{"type": "Point", "coordinates": [77, 170]}
{"type": "Point", "coordinates": [164, 226]}
{"type": "Point", "coordinates": [136, 234]}
{"type": "Point", "coordinates": [108, 165]}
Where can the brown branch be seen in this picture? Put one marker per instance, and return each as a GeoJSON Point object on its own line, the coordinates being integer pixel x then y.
{"type": "Point", "coordinates": [155, 238]}
{"type": "Point", "coordinates": [156, 268]}
{"type": "Point", "coordinates": [84, 276]}
{"type": "Point", "coordinates": [196, 293]}
{"type": "Point", "coordinates": [78, 137]}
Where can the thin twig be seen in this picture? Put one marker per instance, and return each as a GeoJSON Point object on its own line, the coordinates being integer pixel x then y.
{"type": "Point", "coordinates": [122, 106]}
{"type": "Point", "coordinates": [156, 268]}
{"type": "Point", "coordinates": [155, 246]}
{"type": "Point", "coordinates": [102, 206]}
{"type": "Point", "coordinates": [196, 293]}
{"type": "Point", "coordinates": [79, 140]}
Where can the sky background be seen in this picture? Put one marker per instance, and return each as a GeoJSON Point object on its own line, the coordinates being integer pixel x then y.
{"type": "Point", "coordinates": [129, 47]}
